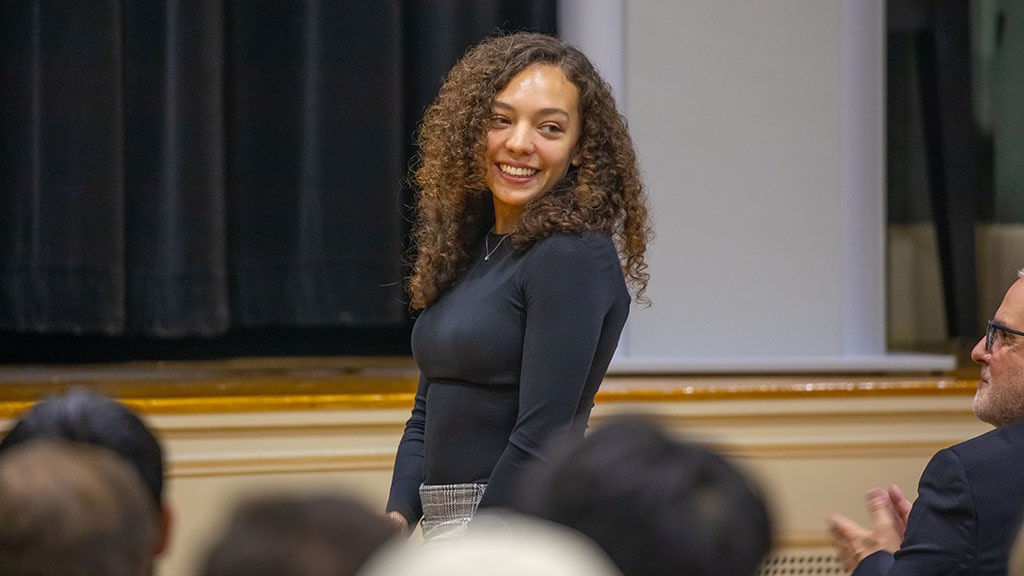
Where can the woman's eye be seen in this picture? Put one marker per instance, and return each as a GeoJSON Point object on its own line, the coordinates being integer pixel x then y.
{"type": "Point", "coordinates": [499, 121]}
{"type": "Point", "coordinates": [552, 128]}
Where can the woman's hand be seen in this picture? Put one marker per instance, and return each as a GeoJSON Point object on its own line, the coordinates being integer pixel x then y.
{"type": "Point", "coordinates": [401, 524]}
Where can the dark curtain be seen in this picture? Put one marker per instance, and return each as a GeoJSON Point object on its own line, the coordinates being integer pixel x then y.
{"type": "Point", "coordinates": [935, 171]}
{"type": "Point", "coordinates": [195, 170]}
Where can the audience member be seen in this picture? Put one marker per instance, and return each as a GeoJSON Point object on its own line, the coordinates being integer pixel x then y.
{"type": "Point", "coordinates": [657, 505]}
{"type": "Point", "coordinates": [70, 509]}
{"type": "Point", "coordinates": [84, 416]}
{"type": "Point", "coordinates": [970, 495]}
{"type": "Point", "coordinates": [498, 544]}
{"type": "Point", "coordinates": [278, 535]}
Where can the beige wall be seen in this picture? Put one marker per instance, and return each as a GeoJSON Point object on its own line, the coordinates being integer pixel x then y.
{"type": "Point", "coordinates": [760, 130]}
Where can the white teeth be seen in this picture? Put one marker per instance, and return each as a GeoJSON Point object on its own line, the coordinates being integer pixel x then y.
{"type": "Point", "coordinates": [513, 171]}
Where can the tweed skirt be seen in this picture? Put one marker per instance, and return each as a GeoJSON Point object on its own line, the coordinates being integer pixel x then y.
{"type": "Point", "coordinates": [448, 508]}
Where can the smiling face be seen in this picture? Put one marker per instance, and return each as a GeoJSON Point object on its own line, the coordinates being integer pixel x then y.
{"type": "Point", "coordinates": [531, 140]}
{"type": "Point", "coordinates": [1000, 396]}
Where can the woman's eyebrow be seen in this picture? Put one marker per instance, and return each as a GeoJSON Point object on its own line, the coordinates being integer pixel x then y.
{"type": "Point", "coordinates": [542, 111]}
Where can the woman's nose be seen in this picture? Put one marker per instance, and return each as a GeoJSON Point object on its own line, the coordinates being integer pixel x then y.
{"type": "Point", "coordinates": [519, 140]}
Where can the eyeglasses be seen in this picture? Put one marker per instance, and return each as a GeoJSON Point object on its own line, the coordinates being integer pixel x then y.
{"type": "Point", "coordinates": [990, 333]}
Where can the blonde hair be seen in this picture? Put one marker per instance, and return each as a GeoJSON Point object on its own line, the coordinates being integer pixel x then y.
{"type": "Point", "coordinates": [73, 509]}
{"type": "Point", "coordinates": [500, 544]}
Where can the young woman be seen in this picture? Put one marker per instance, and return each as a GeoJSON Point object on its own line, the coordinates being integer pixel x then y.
{"type": "Point", "coordinates": [531, 221]}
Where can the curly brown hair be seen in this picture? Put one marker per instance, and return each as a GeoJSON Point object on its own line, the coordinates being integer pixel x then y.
{"type": "Point", "coordinates": [454, 206]}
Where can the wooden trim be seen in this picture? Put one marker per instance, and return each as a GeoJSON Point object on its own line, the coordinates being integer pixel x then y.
{"type": "Point", "coordinates": [263, 384]}
{"type": "Point", "coordinates": [754, 391]}
{"type": "Point", "coordinates": [280, 464]}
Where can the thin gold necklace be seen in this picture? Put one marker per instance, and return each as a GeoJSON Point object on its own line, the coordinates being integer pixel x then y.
{"type": "Point", "coordinates": [487, 247]}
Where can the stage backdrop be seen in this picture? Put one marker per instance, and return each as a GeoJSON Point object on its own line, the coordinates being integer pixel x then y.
{"type": "Point", "coordinates": [184, 169]}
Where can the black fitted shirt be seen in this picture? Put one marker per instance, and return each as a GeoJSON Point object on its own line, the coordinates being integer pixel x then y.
{"type": "Point", "coordinates": [509, 357]}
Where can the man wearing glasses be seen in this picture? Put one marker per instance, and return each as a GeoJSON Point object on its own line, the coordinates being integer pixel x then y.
{"type": "Point", "coordinates": [970, 495]}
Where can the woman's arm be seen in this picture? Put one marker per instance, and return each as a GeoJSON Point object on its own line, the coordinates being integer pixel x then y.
{"type": "Point", "coordinates": [404, 498]}
{"type": "Point", "coordinates": [576, 301]}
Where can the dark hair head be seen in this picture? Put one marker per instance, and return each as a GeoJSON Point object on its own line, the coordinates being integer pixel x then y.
{"type": "Point", "coordinates": [86, 417]}
{"type": "Point", "coordinates": [329, 535]}
{"type": "Point", "coordinates": [655, 504]}
{"type": "Point", "coordinates": [454, 205]}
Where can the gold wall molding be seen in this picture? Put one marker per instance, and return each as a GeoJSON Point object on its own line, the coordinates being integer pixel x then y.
{"type": "Point", "coordinates": [284, 384]}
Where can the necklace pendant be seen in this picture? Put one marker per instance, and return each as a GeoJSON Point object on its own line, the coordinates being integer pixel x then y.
{"type": "Point", "coordinates": [488, 252]}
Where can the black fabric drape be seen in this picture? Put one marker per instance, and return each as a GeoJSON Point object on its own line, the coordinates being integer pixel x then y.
{"type": "Point", "coordinates": [317, 160]}
{"type": "Point", "coordinates": [175, 187]}
{"type": "Point", "coordinates": [62, 184]}
{"type": "Point", "coordinates": [177, 169]}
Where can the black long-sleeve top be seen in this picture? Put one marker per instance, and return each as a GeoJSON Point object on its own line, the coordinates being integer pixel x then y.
{"type": "Point", "coordinates": [510, 358]}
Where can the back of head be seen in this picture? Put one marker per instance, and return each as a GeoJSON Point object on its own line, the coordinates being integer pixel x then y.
{"type": "Point", "coordinates": [503, 545]}
{"type": "Point", "coordinates": [655, 504]}
{"type": "Point", "coordinates": [330, 535]}
{"type": "Point", "coordinates": [73, 510]}
{"type": "Point", "coordinates": [83, 416]}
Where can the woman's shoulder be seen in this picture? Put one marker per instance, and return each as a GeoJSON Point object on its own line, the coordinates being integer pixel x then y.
{"type": "Point", "coordinates": [570, 250]}
{"type": "Point", "coordinates": [593, 240]}
{"type": "Point", "coordinates": [576, 267]}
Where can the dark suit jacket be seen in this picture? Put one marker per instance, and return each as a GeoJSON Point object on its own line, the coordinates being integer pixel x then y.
{"type": "Point", "coordinates": [967, 511]}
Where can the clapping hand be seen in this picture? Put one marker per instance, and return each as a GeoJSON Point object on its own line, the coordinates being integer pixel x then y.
{"type": "Point", "coordinates": [889, 509]}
